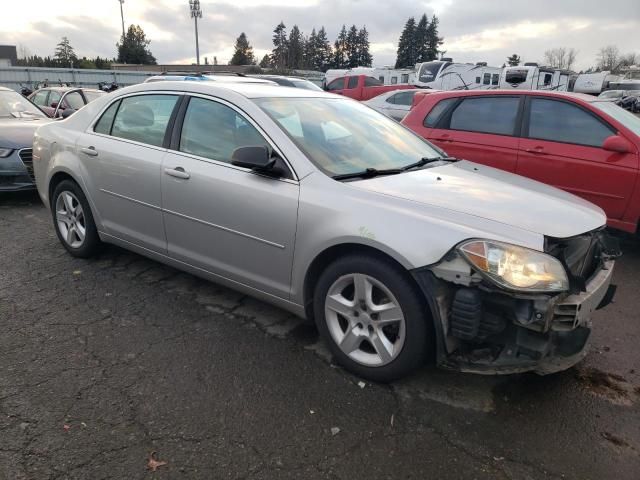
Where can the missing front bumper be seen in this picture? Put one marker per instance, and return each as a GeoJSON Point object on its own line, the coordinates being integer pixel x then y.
{"type": "Point", "coordinates": [513, 333]}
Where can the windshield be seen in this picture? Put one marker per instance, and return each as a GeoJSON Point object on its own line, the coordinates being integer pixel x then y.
{"type": "Point", "coordinates": [344, 136]}
{"type": "Point", "coordinates": [611, 94]}
{"type": "Point", "coordinates": [12, 104]}
{"type": "Point", "coordinates": [307, 85]}
{"type": "Point", "coordinates": [626, 118]}
{"type": "Point", "coordinates": [428, 71]}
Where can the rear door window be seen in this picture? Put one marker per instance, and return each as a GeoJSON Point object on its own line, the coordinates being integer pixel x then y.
{"type": "Point", "coordinates": [353, 82]}
{"type": "Point", "coordinates": [559, 121]}
{"type": "Point", "coordinates": [373, 82]}
{"type": "Point", "coordinates": [144, 118]}
{"type": "Point", "coordinates": [106, 121]}
{"type": "Point", "coordinates": [404, 98]}
{"type": "Point", "coordinates": [495, 115]}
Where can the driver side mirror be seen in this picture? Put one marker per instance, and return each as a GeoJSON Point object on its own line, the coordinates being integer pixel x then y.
{"type": "Point", "coordinates": [257, 158]}
{"type": "Point", "coordinates": [616, 143]}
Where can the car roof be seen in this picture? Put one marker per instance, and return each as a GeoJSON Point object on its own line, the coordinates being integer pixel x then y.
{"type": "Point", "coordinates": [5, 89]}
{"type": "Point", "coordinates": [545, 93]}
{"type": "Point", "coordinates": [248, 90]}
{"type": "Point", "coordinates": [204, 78]}
{"type": "Point", "coordinates": [66, 89]}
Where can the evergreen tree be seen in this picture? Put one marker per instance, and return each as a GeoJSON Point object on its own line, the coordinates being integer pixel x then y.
{"type": "Point", "coordinates": [513, 60]}
{"type": "Point", "coordinates": [352, 47]}
{"type": "Point", "coordinates": [296, 48]}
{"type": "Point", "coordinates": [64, 53]}
{"type": "Point", "coordinates": [279, 54]}
{"type": "Point", "coordinates": [433, 40]}
{"type": "Point", "coordinates": [266, 61]}
{"type": "Point", "coordinates": [340, 50]}
{"type": "Point", "coordinates": [407, 45]}
{"type": "Point", "coordinates": [311, 51]}
{"type": "Point", "coordinates": [134, 47]}
{"type": "Point", "coordinates": [421, 36]}
{"type": "Point", "coordinates": [324, 57]}
{"type": "Point", "coordinates": [364, 55]}
{"type": "Point", "coordinates": [243, 54]}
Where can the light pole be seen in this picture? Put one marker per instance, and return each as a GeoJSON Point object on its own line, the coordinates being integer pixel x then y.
{"type": "Point", "coordinates": [196, 13]}
{"type": "Point", "coordinates": [122, 17]}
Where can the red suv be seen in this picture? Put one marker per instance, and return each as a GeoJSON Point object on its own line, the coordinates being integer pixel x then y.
{"type": "Point", "coordinates": [575, 142]}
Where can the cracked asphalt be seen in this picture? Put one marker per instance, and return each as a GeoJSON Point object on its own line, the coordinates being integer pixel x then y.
{"type": "Point", "coordinates": [104, 361]}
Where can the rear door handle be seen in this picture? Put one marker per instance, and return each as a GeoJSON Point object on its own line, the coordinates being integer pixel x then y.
{"type": "Point", "coordinates": [91, 151]}
{"type": "Point", "coordinates": [537, 151]}
{"type": "Point", "coordinates": [177, 172]}
{"type": "Point", "coordinates": [445, 138]}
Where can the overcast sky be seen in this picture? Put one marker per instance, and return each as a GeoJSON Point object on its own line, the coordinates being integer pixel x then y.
{"type": "Point", "coordinates": [474, 30]}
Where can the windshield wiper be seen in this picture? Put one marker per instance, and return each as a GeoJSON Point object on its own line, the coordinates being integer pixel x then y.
{"type": "Point", "coordinates": [427, 160]}
{"type": "Point", "coordinates": [368, 173]}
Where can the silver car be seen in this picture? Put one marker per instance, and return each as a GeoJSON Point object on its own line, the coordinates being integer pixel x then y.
{"type": "Point", "coordinates": [326, 208]}
{"type": "Point", "coordinates": [19, 119]}
{"type": "Point", "coordinates": [395, 104]}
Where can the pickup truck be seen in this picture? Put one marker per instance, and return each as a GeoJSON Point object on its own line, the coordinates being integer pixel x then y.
{"type": "Point", "coordinates": [361, 87]}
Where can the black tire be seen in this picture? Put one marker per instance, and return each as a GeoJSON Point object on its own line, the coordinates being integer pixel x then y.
{"type": "Point", "coordinates": [419, 339]}
{"type": "Point", "coordinates": [92, 244]}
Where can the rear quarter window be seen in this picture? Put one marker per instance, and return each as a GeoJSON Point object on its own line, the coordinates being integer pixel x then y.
{"type": "Point", "coordinates": [436, 113]}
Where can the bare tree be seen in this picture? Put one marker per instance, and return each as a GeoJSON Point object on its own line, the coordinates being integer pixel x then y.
{"type": "Point", "coordinates": [609, 58]}
{"type": "Point", "coordinates": [561, 57]}
{"type": "Point", "coordinates": [629, 59]}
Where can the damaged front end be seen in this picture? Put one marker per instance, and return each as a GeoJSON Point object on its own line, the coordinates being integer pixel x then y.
{"type": "Point", "coordinates": [485, 324]}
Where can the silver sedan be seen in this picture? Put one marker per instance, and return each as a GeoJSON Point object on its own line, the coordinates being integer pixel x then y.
{"type": "Point", "coordinates": [322, 206]}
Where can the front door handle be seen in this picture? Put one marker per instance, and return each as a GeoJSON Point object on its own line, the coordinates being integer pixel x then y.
{"type": "Point", "coordinates": [91, 151]}
{"type": "Point", "coordinates": [177, 172]}
{"type": "Point", "coordinates": [536, 150]}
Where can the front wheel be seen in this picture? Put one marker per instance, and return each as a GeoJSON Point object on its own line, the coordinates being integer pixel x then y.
{"type": "Point", "coordinates": [73, 220]}
{"type": "Point", "coordinates": [373, 318]}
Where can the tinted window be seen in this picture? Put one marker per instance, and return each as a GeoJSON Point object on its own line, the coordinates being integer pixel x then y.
{"type": "Point", "coordinates": [486, 79]}
{"type": "Point", "coordinates": [394, 80]}
{"type": "Point", "coordinates": [372, 82]}
{"type": "Point", "coordinates": [144, 118]}
{"type": "Point", "coordinates": [436, 112]}
{"type": "Point", "coordinates": [562, 122]}
{"type": "Point", "coordinates": [213, 130]}
{"type": "Point", "coordinates": [516, 77]}
{"type": "Point", "coordinates": [40, 98]}
{"type": "Point", "coordinates": [495, 79]}
{"type": "Point", "coordinates": [337, 84]}
{"type": "Point", "coordinates": [477, 79]}
{"type": "Point", "coordinates": [547, 79]}
{"type": "Point", "coordinates": [404, 78]}
{"type": "Point", "coordinates": [74, 100]}
{"type": "Point", "coordinates": [106, 121]}
{"type": "Point", "coordinates": [404, 98]}
{"type": "Point", "coordinates": [353, 82]}
{"type": "Point", "coordinates": [486, 114]}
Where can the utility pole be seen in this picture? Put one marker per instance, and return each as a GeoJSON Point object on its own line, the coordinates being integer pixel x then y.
{"type": "Point", "coordinates": [196, 13]}
{"type": "Point", "coordinates": [122, 17]}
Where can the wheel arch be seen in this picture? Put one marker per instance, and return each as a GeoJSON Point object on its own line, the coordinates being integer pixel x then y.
{"type": "Point", "coordinates": [332, 253]}
{"type": "Point", "coordinates": [57, 178]}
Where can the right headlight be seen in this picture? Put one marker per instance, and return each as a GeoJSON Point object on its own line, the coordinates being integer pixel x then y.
{"type": "Point", "coordinates": [5, 152]}
{"type": "Point", "coordinates": [516, 268]}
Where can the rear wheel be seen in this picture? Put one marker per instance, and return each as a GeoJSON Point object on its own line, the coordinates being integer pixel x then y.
{"type": "Point", "coordinates": [373, 318]}
{"type": "Point", "coordinates": [73, 220]}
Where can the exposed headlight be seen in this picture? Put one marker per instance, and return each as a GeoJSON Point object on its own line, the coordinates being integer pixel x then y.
{"type": "Point", "coordinates": [5, 152]}
{"type": "Point", "coordinates": [516, 268]}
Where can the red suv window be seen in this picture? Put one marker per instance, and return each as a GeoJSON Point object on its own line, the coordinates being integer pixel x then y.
{"type": "Point", "coordinates": [496, 115]}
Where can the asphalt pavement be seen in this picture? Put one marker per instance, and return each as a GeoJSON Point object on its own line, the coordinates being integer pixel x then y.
{"type": "Point", "coordinates": [122, 368]}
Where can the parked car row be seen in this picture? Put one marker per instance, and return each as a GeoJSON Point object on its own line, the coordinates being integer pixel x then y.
{"type": "Point", "coordinates": [318, 204]}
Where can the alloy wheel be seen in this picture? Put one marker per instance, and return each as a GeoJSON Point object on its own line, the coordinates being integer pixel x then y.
{"type": "Point", "coordinates": [365, 320]}
{"type": "Point", "coordinates": [70, 219]}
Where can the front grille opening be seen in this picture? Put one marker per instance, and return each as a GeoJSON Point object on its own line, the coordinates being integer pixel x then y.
{"type": "Point", "coordinates": [581, 255]}
{"type": "Point", "coordinates": [26, 155]}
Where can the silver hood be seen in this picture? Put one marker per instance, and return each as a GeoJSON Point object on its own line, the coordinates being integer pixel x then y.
{"type": "Point", "coordinates": [495, 195]}
{"type": "Point", "coordinates": [18, 132]}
